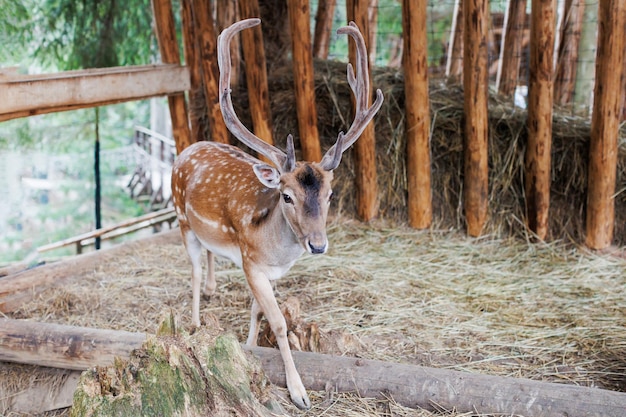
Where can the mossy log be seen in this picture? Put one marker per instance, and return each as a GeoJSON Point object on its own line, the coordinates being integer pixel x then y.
{"type": "Point", "coordinates": [174, 375]}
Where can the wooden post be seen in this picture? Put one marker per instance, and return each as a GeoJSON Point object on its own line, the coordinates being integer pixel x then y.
{"type": "Point", "coordinates": [454, 65]}
{"type": "Point", "coordinates": [168, 45]}
{"type": "Point", "coordinates": [540, 94]}
{"type": "Point", "coordinates": [323, 27]}
{"type": "Point", "coordinates": [227, 14]}
{"type": "Point", "coordinates": [417, 124]}
{"type": "Point", "coordinates": [303, 78]}
{"type": "Point", "coordinates": [192, 61]}
{"type": "Point", "coordinates": [605, 124]}
{"type": "Point", "coordinates": [365, 148]}
{"type": "Point", "coordinates": [567, 59]}
{"type": "Point", "coordinates": [475, 77]}
{"type": "Point", "coordinates": [207, 41]}
{"type": "Point", "coordinates": [256, 72]}
{"type": "Point", "coordinates": [511, 49]}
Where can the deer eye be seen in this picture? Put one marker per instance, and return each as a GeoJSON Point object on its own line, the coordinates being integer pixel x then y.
{"type": "Point", "coordinates": [287, 199]}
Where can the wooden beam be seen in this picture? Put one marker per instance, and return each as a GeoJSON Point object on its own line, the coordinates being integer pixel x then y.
{"type": "Point", "coordinates": [511, 47]}
{"type": "Point", "coordinates": [417, 123]}
{"type": "Point", "coordinates": [607, 103]}
{"type": "Point", "coordinates": [366, 177]}
{"type": "Point", "coordinates": [28, 95]}
{"type": "Point", "coordinates": [303, 79]}
{"type": "Point", "coordinates": [170, 54]}
{"type": "Point", "coordinates": [72, 347]}
{"type": "Point", "coordinates": [475, 79]}
{"type": "Point", "coordinates": [540, 102]}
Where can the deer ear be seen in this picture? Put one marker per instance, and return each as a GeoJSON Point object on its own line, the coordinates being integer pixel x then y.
{"type": "Point", "coordinates": [268, 175]}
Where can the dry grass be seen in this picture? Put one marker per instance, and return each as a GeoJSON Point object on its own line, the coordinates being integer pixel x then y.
{"type": "Point", "coordinates": [496, 306]}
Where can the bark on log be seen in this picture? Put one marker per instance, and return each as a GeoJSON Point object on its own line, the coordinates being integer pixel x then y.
{"type": "Point", "coordinates": [540, 102]}
{"type": "Point", "coordinates": [475, 79]}
{"type": "Point", "coordinates": [168, 45]}
{"type": "Point", "coordinates": [511, 49]}
{"type": "Point", "coordinates": [409, 385]}
{"type": "Point", "coordinates": [304, 82]}
{"type": "Point", "coordinates": [417, 122]}
{"type": "Point", "coordinates": [605, 123]}
{"type": "Point", "coordinates": [366, 177]}
{"type": "Point", "coordinates": [18, 288]}
{"type": "Point", "coordinates": [207, 40]}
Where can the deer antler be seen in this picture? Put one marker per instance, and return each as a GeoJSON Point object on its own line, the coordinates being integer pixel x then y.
{"type": "Point", "coordinates": [284, 162]}
{"type": "Point", "coordinates": [360, 86]}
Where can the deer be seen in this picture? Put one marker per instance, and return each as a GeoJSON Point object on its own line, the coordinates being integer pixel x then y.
{"type": "Point", "coordinates": [262, 216]}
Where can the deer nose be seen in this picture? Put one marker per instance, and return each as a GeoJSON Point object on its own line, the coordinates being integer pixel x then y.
{"type": "Point", "coordinates": [317, 248]}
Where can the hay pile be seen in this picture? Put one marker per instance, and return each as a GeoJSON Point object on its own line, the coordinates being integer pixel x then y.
{"type": "Point", "coordinates": [437, 298]}
{"type": "Point", "coordinates": [507, 141]}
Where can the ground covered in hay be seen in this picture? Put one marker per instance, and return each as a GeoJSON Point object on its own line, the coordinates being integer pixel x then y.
{"type": "Point", "coordinates": [505, 307]}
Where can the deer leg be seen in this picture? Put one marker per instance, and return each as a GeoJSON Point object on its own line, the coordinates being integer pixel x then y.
{"type": "Point", "coordinates": [264, 295]}
{"type": "Point", "coordinates": [210, 285]}
{"type": "Point", "coordinates": [194, 250]}
{"type": "Point", "coordinates": [255, 319]}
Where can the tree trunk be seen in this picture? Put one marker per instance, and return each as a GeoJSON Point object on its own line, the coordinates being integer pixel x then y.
{"type": "Point", "coordinates": [417, 124]}
{"type": "Point", "coordinates": [168, 45]}
{"type": "Point", "coordinates": [475, 78]}
{"type": "Point", "coordinates": [540, 95]}
{"type": "Point", "coordinates": [366, 177]}
{"type": "Point", "coordinates": [605, 124]}
{"type": "Point", "coordinates": [304, 82]}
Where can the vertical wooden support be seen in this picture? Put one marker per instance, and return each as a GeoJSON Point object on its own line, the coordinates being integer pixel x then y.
{"type": "Point", "coordinates": [365, 148]}
{"type": "Point", "coordinates": [540, 94]}
{"type": "Point", "coordinates": [256, 72]}
{"type": "Point", "coordinates": [207, 43]}
{"type": "Point", "coordinates": [567, 59]}
{"type": "Point", "coordinates": [454, 65]}
{"type": "Point", "coordinates": [192, 61]}
{"type": "Point", "coordinates": [168, 45]}
{"type": "Point", "coordinates": [417, 108]}
{"type": "Point", "coordinates": [475, 78]}
{"type": "Point", "coordinates": [323, 27]}
{"type": "Point", "coordinates": [304, 82]}
{"type": "Point", "coordinates": [605, 124]}
{"type": "Point", "coordinates": [372, 13]}
{"type": "Point", "coordinates": [511, 47]}
{"type": "Point", "coordinates": [227, 14]}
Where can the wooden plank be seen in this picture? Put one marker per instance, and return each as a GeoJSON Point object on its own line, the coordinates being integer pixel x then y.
{"type": "Point", "coordinates": [511, 49]}
{"type": "Point", "coordinates": [303, 79]}
{"type": "Point", "coordinates": [366, 177]}
{"type": "Point", "coordinates": [409, 385]}
{"type": "Point", "coordinates": [540, 103]}
{"type": "Point", "coordinates": [168, 45]}
{"type": "Point", "coordinates": [27, 95]}
{"type": "Point", "coordinates": [608, 92]}
{"type": "Point", "coordinates": [475, 83]}
{"type": "Point", "coordinates": [417, 107]}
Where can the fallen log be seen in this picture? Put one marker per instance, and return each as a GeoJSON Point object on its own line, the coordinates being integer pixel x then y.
{"type": "Point", "coordinates": [409, 385]}
{"type": "Point", "coordinates": [21, 287]}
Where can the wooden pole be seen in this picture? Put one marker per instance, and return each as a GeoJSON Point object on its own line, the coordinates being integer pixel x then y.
{"type": "Point", "coordinates": [168, 45]}
{"type": "Point", "coordinates": [72, 347]}
{"type": "Point", "coordinates": [207, 41]}
{"type": "Point", "coordinates": [304, 81]}
{"type": "Point", "coordinates": [366, 177]}
{"type": "Point", "coordinates": [256, 72]}
{"type": "Point", "coordinates": [475, 77]}
{"type": "Point", "coordinates": [192, 61]}
{"type": "Point", "coordinates": [567, 60]}
{"type": "Point", "coordinates": [605, 123]}
{"type": "Point", "coordinates": [323, 27]}
{"type": "Point", "coordinates": [227, 14]}
{"type": "Point", "coordinates": [540, 94]}
{"type": "Point", "coordinates": [417, 124]}
{"type": "Point", "coordinates": [511, 49]}
{"type": "Point", "coordinates": [454, 64]}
